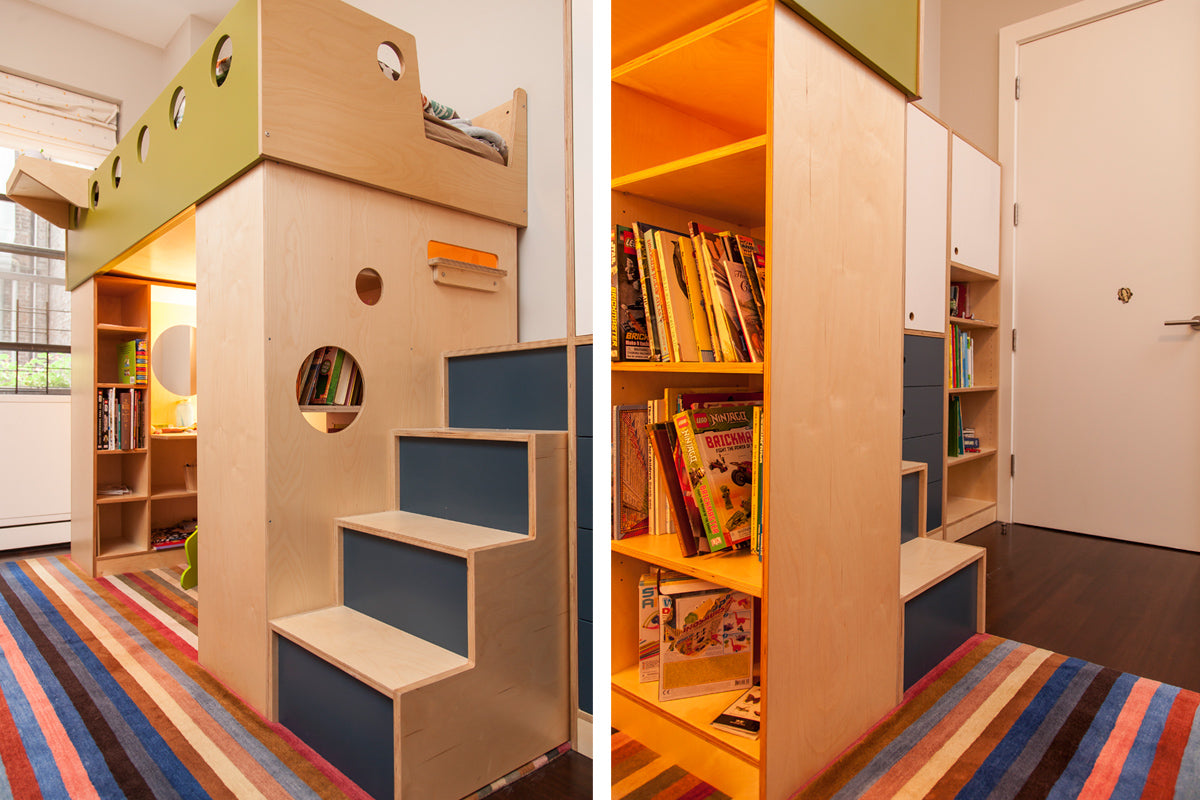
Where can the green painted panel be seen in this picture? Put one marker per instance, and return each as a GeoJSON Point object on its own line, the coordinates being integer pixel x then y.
{"type": "Point", "coordinates": [216, 140]}
{"type": "Point", "coordinates": [884, 34]}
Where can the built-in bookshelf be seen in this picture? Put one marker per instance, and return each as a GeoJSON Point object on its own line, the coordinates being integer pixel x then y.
{"type": "Point", "coordinates": [974, 279]}
{"type": "Point", "coordinates": [699, 92]}
{"type": "Point", "coordinates": [127, 478]}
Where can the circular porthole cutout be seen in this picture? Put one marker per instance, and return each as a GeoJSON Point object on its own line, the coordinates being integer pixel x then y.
{"type": "Point", "coordinates": [368, 285]}
{"type": "Point", "coordinates": [391, 63]}
{"type": "Point", "coordinates": [95, 194]}
{"type": "Point", "coordinates": [222, 60]}
{"type": "Point", "coordinates": [116, 172]}
{"type": "Point", "coordinates": [143, 143]}
{"type": "Point", "coordinates": [178, 107]}
{"type": "Point", "coordinates": [329, 389]}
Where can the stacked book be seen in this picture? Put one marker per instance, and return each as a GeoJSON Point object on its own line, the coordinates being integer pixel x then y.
{"type": "Point", "coordinates": [330, 376]}
{"type": "Point", "coordinates": [133, 362]}
{"type": "Point", "coordinates": [690, 465]}
{"type": "Point", "coordinates": [695, 296]}
{"type": "Point", "coordinates": [172, 537]}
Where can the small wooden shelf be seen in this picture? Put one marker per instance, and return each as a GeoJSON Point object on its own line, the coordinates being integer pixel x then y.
{"type": "Point", "coordinates": [953, 461]}
{"type": "Point", "coordinates": [692, 367]}
{"type": "Point", "coordinates": [728, 182]}
{"type": "Point", "coordinates": [108, 327]}
{"type": "Point", "coordinates": [171, 437]}
{"type": "Point", "coordinates": [967, 389]}
{"type": "Point", "coordinates": [740, 570]}
{"type": "Point", "coordinates": [172, 492]}
{"type": "Point", "coordinates": [963, 322]}
{"type": "Point", "coordinates": [694, 713]}
{"type": "Point", "coordinates": [120, 549]}
{"type": "Point", "coordinates": [120, 386]}
{"type": "Point", "coordinates": [963, 274]}
{"type": "Point", "coordinates": [718, 73]}
{"type": "Point", "coordinates": [331, 409]}
{"type": "Point", "coordinates": [109, 499]}
{"type": "Point", "coordinates": [139, 451]}
{"type": "Point", "coordinates": [959, 508]}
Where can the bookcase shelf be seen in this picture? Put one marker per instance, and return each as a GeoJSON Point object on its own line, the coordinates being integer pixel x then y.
{"type": "Point", "coordinates": [769, 141]}
{"type": "Point", "coordinates": [111, 533]}
{"type": "Point", "coordinates": [741, 571]}
{"type": "Point", "coordinates": [969, 389]}
{"type": "Point", "coordinates": [694, 713]}
{"type": "Point", "coordinates": [984, 452]}
{"type": "Point", "coordinates": [972, 323]}
{"type": "Point", "coordinates": [727, 182]}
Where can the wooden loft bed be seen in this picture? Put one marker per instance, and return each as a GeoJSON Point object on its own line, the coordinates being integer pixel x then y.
{"type": "Point", "coordinates": [339, 114]}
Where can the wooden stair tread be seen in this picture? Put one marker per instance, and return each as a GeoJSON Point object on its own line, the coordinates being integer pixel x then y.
{"type": "Point", "coordinates": [519, 347]}
{"type": "Point", "coordinates": [433, 533]}
{"type": "Point", "coordinates": [383, 657]}
{"type": "Point", "coordinates": [925, 562]}
{"type": "Point", "coordinates": [481, 434]}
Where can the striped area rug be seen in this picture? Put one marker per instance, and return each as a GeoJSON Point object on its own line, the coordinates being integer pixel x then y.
{"type": "Point", "coordinates": [1000, 720]}
{"type": "Point", "coordinates": [101, 697]}
{"type": "Point", "coordinates": [639, 773]}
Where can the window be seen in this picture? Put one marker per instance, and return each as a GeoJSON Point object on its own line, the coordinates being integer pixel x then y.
{"type": "Point", "coordinates": [35, 306]}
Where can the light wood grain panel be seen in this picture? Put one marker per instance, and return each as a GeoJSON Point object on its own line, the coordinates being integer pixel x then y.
{"type": "Point", "coordinates": [341, 115]}
{"type": "Point", "coordinates": [645, 132]}
{"type": "Point", "coordinates": [740, 570]}
{"type": "Point", "coordinates": [83, 423]}
{"type": "Point", "coordinates": [442, 535]}
{"type": "Point", "coordinates": [137, 562]}
{"type": "Point", "coordinates": [232, 453]}
{"type": "Point", "coordinates": [966, 515]}
{"type": "Point", "coordinates": [514, 704]}
{"type": "Point", "coordinates": [319, 233]}
{"type": "Point", "coordinates": [48, 189]}
{"type": "Point", "coordinates": [836, 226]}
{"type": "Point", "coordinates": [925, 562]}
{"type": "Point", "coordinates": [637, 32]}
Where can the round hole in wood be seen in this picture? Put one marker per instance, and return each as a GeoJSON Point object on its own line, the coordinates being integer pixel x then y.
{"type": "Point", "coordinates": [222, 60]}
{"type": "Point", "coordinates": [116, 172]}
{"type": "Point", "coordinates": [911, 316]}
{"type": "Point", "coordinates": [143, 143]}
{"type": "Point", "coordinates": [391, 62]}
{"type": "Point", "coordinates": [368, 285]}
{"type": "Point", "coordinates": [178, 106]}
{"type": "Point", "coordinates": [329, 389]}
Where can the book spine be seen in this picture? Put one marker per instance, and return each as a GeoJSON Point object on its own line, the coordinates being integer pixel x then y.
{"type": "Point", "coordinates": [703, 258]}
{"type": "Point", "coordinates": [668, 345]}
{"type": "Point", "coordinates": [670, 260]}
{"type": "Point", "coordinates": [639, 244]}
{"type": "Point", "coordinates": [695, 294]}
{"type": "Point", "coordinates": [613, 298]}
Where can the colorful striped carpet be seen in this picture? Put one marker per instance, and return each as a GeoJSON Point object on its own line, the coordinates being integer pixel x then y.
{"type": "Point", "coordinates": [1001, 720]}
{"type": "Point", "coordinates": [997, 720]}
{"type": "Point", "coordinates": [101, 697]}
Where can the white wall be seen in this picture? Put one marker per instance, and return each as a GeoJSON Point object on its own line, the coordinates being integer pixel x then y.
{"type": "Point", "coordinates": [45, 45]}
{"type": "Point", "coordinates": [582, 52]}
{"type": "Point", "coordinates": [471, 55]}
{"type": "Point", "coordinates": [35, 470]}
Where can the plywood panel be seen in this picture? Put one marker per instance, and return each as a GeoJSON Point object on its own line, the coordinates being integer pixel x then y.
{"type": "Point", "coordinates": [341, 115]}
{"type": "Point", "coordinates": [836, 217]}
{"type": "Point", "coordinates": [232, 450]}
{"type": "Point", "coordinates": [319, 233]}
{"type": "Point", "coordinates": [83, 423]}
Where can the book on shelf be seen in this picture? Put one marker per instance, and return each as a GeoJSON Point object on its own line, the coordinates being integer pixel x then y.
{"type": "Point", "coordinates": [960, 305]}
{"type": "Point", "coordinates": [697, 303]}
{"type": "Point", "coordinates": [329, 371]}
{"type": "Point", "coordinates": [669, 260]}
{"type": "Point", "coordinates": [631, 471]}
{"type": "Point", "coordinates": [173, 536]}
{"type": "Point", "coordinates": [659, 343]}
{"type": "Point", "coordinates": [751, 324]}
{"type": "Point", "coordinates": [742, 717]}
{"type": "Point", "coordinates": [954, 441]}
{"type": "Point", "coordinates": [648, 636]}
{"type": "Point", "coordinates": [706, 639]}
{"type": "Point", "coordinates": [717, 444]}
{"type": "Point", "coordinates": [132, 362]}
{"type": "Point", "coordinates": [962, 359]}
{"type": "Point", "coordinates": [756, 501]}
{"type": "Point", "coordinates": [684, 513]}
{"type": "Point", "coordinates": [970, 440]}
{"type": "Point", "coordinates": [710, 253]}
{"type": "Point", "coordinates": [753, 257]}
{"type": "Point", "coordinates": [630, 341]}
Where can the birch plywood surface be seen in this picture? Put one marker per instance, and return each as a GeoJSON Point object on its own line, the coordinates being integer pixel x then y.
{"type": "Point", "coordinates": [836, 211]}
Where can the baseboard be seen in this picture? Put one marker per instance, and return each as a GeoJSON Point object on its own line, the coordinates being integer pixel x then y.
{"type": "Point", "coordinates": [19, 537]}
{"type": "Point", "coordinates": [583, 734]}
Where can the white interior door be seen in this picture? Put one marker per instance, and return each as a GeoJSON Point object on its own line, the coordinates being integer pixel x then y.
{"type": "Point", "coordinates": [1106, 399]}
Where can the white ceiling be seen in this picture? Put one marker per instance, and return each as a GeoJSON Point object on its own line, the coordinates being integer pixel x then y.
{"type": "Point", "coordinates": [151, 21]}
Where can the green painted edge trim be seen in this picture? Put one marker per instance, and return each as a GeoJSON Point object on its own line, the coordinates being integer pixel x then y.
{"type": "Point", "coordinates": [216, 141]}
{"type": "Point", "coordinates": [883, 34]}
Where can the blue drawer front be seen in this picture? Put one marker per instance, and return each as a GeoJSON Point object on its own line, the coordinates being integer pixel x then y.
{"type": "Point", "coordinates": [923, 358]}
{"type": "Point", "coordinates": [937, 621]}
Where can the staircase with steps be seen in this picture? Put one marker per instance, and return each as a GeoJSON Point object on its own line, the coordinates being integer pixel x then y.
{"type": "Point", "coordinates": [444, 665]}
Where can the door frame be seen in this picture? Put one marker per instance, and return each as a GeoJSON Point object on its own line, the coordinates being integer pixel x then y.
{"type": "Point", "coordinates": [1011, 39]}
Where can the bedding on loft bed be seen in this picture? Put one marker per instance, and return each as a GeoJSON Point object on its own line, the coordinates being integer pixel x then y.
{"type": "Point", "coordinates": [443, 124]}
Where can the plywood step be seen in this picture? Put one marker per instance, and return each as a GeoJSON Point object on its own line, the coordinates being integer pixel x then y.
{"type": "Point", "coordinates": [377, 654]}
{"type": "Point", "coordinates": [925, 562]}
{"type": "Point", "coordinates": [433, 533]}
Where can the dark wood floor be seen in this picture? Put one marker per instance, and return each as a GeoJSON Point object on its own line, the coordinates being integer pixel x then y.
{"type": "Point", "coordinates": [1134, 608]}
{"type": "Point", "coordinates": [568, 777]}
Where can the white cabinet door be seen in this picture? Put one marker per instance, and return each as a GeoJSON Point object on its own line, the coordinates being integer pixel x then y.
{"type": "Point", "coordinates": [925, 197]}
{"type": "Point", "coordinates": [974, 209]}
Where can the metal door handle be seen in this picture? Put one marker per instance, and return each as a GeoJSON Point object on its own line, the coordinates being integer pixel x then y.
{"type": "Point", "coordinates": [1194, 322]}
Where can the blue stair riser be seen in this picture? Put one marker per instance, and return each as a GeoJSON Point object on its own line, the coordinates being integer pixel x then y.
{"type": "Point", "coordinates": [421, 592]}
{"type": "Point", "coordinates": [349, 723]}
{"type": "Point", "coordinates": [519, 390]}
{"type": "Point", "coordinates": [466, 480]}
{"type": "Point", "coordinates": [938, 620]}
